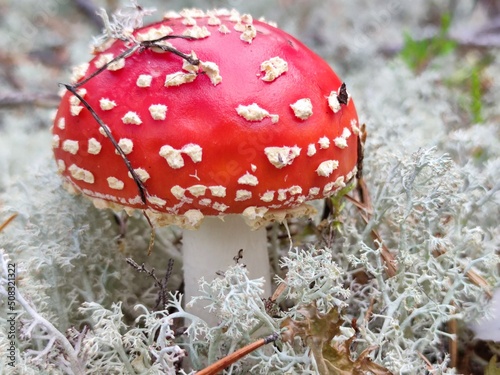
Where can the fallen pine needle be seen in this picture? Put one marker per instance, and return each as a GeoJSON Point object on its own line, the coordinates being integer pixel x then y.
{"type": "Point", "coordinates": [237, 355]}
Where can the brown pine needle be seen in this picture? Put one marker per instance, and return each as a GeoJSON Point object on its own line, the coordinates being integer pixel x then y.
{"type": "Point", "coordinates": [453, 329]}
{"type": "Point", "coordinates": [279, 291]}
{"type": "Point", "coordinates": [227, 361]}
{"type": "Point", "coordinates": [8, 221]}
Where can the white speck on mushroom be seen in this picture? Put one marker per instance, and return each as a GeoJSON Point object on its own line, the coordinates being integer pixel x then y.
{"type": "Point", "coordinates": [178, 191]}
{"type": "Point", "coordinates": [243, 195]}
{"type": "Point", "coordinates": [115, 183]}
{"type": "Point", "coordinates": [314, 191]}
{"type": "Point", "coordinates": [248, 179]}
{"type": "Point", "coordinates": [249, 34]}
{"type": "Point", "coordinates": [116, 65]}
{"type": "Point", "coordinates": [339, 182]}
{"type": "Point", "coordinates": [73, 100]}
{"type": "Point", "coordinates": [273, 68]}
{"type": "Point", "coordinates": [131, 118]}
{"type": "Point", "coordinates": [253, 167]}
{"type": "Point", "coordinates": [194, 151]}
{"type": "Point", "coordinates": [189, 21]}
{"type": "Point", "coordinates": [197, 190]}
{"type": "Point", "coordinates": [223, 29]}
{"type": "Point", "coordinates": [205, 202]}
{"type": "Point", "coordinates": [213, 21]}
{"type": "Point", "coordinates": [282, 194]}
{"type": "Point", "coordinates": [328, 188]}
{"type": "Point", "coordinates": [295, 189]}
{"type": "Point", "coordinates": [354, 127]}
{"type": "Point", "coordinates": [144, 80]}
{"type": "Point", "coordinates": [153, 199]}
{"type": "Point", "coordinates": [158, 111]}
{"type": "Point", "coordinates": [196, 32]}
{"type": "Point", "coordinates": [302, 108]}
{"type": "Point", "coordinates": [301, 199]}
{"type": "Point", "coordinates": [194, 217]}
{"type": "Point", "coordinates": [79, 72]}
{"type": "Point", "coordinates": [333, 102]}
{"type": "Point", "coordinates": [158, 47]}
{"type": "Point", "coordinates": [253, 112]}
{"type": "Point", "coordinates": [211, 69]}
{"type": "Point", "coordinates": [188, 67]}
{"type": "Point", "coordinates": [107, 104]}
{"type": "Point", "coordinates": [55, 141]}
{"type": "Point", "coordinates": [282, 156]}
{"type": "Point", "coordinates": [326, 168]}
{"type": "Point", "coordinates": [274, 118]}
{"type": "Point", "coordinates": [136, 200]}
{"type": "Point", "coordinates": [94, 146]}
{"type": "Point", "coordinates": [311, 150]}
{"type": "Point", "coordinates": [172, 156]}
{"type": "Point", "coordinates": [61, 123]}
{"type": "Point", "coordinates": [75, 110]}
{"type": "Point", "coordinates": [126, 145]}
{"type": "Point", "coordinates": [141, 173]}
{"type": "Point", "coordinates": [324, 142]}
{"type": "Point", "coordinates": [218, 191]}
{"type": "Point", "coordinates": [101, 130]}
{"type": "Point", "coordinates": [179, 78]}
{"type": "Point", "coordinates": [346, 133]}
{"type": "Point", "coordinates": [341, 142]}
{"type": "Point", "coordinates": [61, 165]}
{"type": "Point", "coordinates": [81, 174]}
{"type": "Point", "coordinates": [268, 196]}
{"type": "Point", "coordinates": [70, 146]}
{"type": "Point", "coordinates": [352, 173]}
{"type": "Point", "coordinates": [220, 206]}
{"type": "Point", "coordinates": [246, 18]}
{"type": "Point", "coordinates": [103, 59]}
{"type": "Point", "coordinates": [253, 213]}
{"type": "Point", "coordinates": [239, 26]}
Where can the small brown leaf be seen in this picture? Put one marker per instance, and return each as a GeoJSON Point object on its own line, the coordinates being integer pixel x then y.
{"type": "Point", "coordinates": [317, 331]}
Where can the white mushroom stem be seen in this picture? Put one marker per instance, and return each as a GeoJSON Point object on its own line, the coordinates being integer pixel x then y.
{"type": "Point", "coordinates": [212, 248]}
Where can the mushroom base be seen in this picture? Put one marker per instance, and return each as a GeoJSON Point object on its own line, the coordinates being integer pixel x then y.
{"type": "Point", "coordinates": [212, 248]}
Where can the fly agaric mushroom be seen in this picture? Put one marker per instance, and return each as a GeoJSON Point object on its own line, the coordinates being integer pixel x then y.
{"type": "Point", "coordinates": [211, 121]}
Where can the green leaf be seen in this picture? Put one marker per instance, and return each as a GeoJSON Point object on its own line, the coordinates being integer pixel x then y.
{"type": "Point", "coordinates": [492, 367]}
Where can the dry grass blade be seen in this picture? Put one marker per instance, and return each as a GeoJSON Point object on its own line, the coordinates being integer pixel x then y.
{"type": "Point", "coordinates": [237, 355]}
{"type": "Point", "coordinates": [8, 221]}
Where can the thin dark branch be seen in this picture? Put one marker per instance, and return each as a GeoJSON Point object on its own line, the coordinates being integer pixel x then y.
{"type": "Point", "coordinates": [162, 298]}
{"type": "Point", "coordinates": [175, 51]}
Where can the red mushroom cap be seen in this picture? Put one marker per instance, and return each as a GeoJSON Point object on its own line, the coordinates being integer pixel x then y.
{"type": "Point", "coordinates": [259, 126]}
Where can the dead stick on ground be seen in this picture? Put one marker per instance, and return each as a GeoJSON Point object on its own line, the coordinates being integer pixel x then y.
{"type": "Point", "coordinates": [237, 355]}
